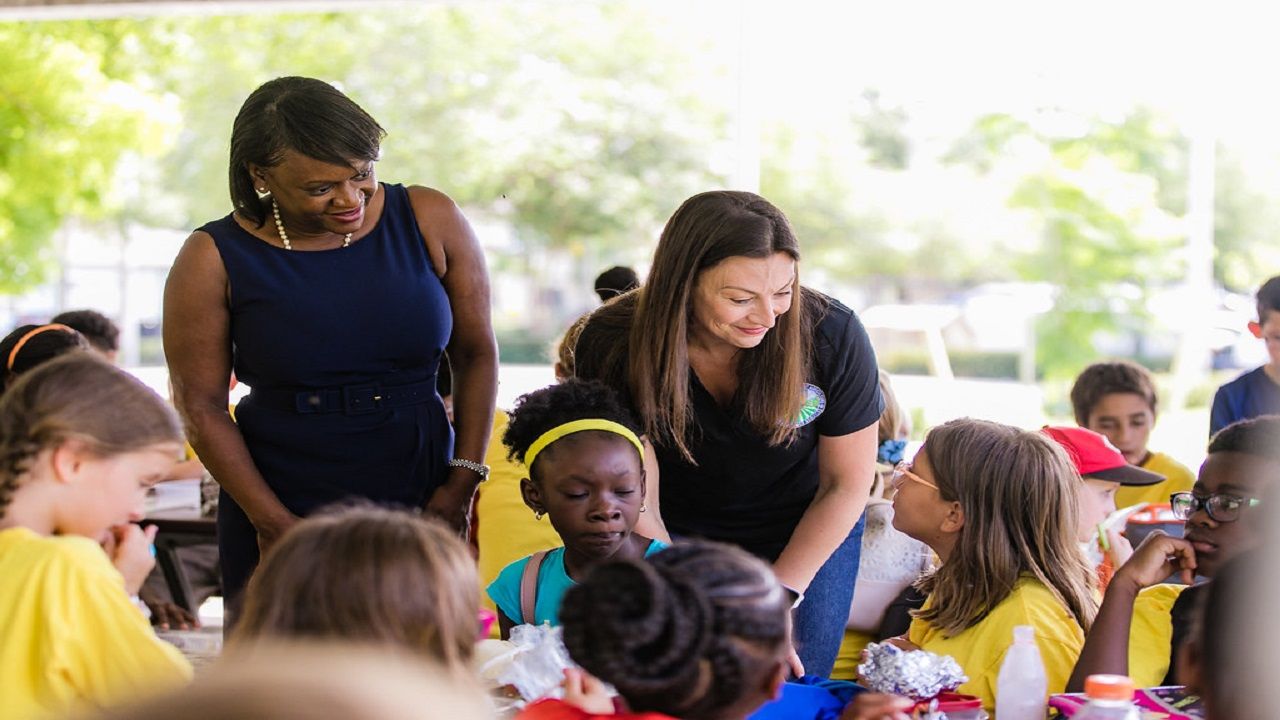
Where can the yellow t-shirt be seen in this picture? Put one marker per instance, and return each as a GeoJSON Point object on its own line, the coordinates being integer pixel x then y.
{"type": "Point", "coordinates": [850, 654]}
{"type": "Point", "coordinates": [70, 638]}
{"type": "Point", "coordinates": [1177, 478]}
{"type": "Point", "coordinates": [506, 530]}
{"type": "Point", "coordinates": [1151, 634]}
{"type": "Point", "coordinates": [980, 649]}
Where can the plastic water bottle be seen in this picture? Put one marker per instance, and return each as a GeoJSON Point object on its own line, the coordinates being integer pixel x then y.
{"type": "Point", "coordinates": [1110, 698]}
{"type": "Point", "coordinates": [1022, 691]}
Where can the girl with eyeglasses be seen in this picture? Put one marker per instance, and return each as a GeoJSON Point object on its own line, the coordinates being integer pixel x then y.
{"type": "Point", "coordinates": [998, 506]}
{"type": "Point", "coordinates": [1143, 620]}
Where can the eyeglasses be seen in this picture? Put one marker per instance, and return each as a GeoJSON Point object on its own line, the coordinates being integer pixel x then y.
{"type": "Point", "coordinates": [1220, 508]}
{"type": "Point", "coordinates": [903, 470]}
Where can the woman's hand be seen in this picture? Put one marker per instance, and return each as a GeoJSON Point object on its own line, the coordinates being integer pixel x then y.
{"type": "Point", "coordinates": [271, 530]}
{"type": "Point", "coordinates": [1157, 557]}
{"type": "Point", "coordinates": [878, 706]}
{"type": "Point", "coordinates": [583, 691]}
{"type": "Point", "coordinates": [129, 548]}
{"type": "Point", "coordinates": [451, 502]}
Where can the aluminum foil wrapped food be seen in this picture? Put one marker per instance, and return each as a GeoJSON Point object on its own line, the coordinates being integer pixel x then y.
{"type": "Point", "coordinates": [916, 674]}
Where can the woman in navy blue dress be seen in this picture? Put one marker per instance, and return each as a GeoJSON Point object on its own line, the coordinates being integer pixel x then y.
{"type": "Point", "coordinates": [333, 297]}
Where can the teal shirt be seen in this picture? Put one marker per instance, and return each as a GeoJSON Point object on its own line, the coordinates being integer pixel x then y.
{"type": "Point", "coordinates": [553, 582]}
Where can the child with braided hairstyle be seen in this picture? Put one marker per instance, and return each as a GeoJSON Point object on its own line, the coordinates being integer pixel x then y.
{"type": "Point", "coordinates": [30, 345]}
{"type": "Point", "coordinates": [586, 474]}
{"type": "Point", "coordinates": [80, 443]}
{"type": "Point", "coordinates": [701, 631]}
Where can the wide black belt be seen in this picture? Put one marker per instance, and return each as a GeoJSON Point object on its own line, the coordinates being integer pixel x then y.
{"type": "Point", "coordinates": [349, 399]}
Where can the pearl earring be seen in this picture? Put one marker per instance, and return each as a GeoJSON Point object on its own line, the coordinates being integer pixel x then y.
{"type": "Point", "coordinates": [537, 514]}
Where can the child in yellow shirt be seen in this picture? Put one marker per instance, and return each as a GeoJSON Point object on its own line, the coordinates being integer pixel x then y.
{"type": "Point", "coordinates": [1118, 400]}
{"type": "Point", "coordinates": [998, 506]}
{"type": "Point", "coordinates": [80, 443]}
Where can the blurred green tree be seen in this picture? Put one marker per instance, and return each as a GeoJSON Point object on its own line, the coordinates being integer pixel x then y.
{"type": "Point", "coordinates": [68, 117]}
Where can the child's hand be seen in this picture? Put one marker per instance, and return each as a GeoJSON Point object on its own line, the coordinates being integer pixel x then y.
{"type": "Point", "coordinates": [1158, 557]}
{"type": "Point", "coordinates": [878, 706]}
{"type": "Point", "coordinates": [794, 662]}
{"type": "Point", "coordinates": [166, 615]}
{"type": "Point", "coordinates": [1120, 550]}
{"type": "Point", "coordinates": [902, 643]}
{"type": "Point", "coordinates": [130, 551]}
{"type": "Point", "coordinates": [583, 691]}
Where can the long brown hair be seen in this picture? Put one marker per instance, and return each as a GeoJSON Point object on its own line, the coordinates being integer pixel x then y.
{"type": "Point", "coordinates": [78, 396]}
{"type": "Point", "coordinates": [707, 229]}
{"type": "Point", "coordinates": [1018, 490]}
{"type": "Point", "coordinates": [368, 574]}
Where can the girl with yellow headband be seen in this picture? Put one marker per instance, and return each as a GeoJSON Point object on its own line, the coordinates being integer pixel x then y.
{"type": "Point", "coordinates": [586, 475]}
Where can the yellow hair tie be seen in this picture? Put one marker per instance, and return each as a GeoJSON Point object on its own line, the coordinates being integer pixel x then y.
{"type": "Point", "coordinates": [577, 426]}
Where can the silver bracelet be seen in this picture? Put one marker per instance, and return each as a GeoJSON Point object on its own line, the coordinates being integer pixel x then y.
{"type": "Point", "coordinates": [475, 467]}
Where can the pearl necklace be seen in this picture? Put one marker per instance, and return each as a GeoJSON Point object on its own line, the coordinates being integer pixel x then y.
{"type": "Point", "coordinates": [284, 236]}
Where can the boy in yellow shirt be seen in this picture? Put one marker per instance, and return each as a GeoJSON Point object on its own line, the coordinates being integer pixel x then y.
{"type": "Point", "coordinates": [1118, 400]}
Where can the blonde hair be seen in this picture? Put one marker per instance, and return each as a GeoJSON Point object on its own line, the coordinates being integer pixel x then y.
{"type": "Point", "coordinates": [78, 396]}
{"type": "Point", "coordinates": [369, 574]}
{"type": "Point", "coordinates": [1018, 491]}
{"type": "Point", "coordinates": [564, 349]}
{"type": "Point", "coordinates": [894, 419]}
{"type": "Point", "coordinates": [316, 681]}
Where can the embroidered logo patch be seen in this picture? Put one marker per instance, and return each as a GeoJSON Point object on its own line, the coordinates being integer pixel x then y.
{"type": "Point", "coordinates": [815, 401]}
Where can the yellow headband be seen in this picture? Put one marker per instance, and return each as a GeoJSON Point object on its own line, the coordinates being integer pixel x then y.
{"type": "Point", "coordinates": [13, 354]}
{"type": "Point", "coordinates": [576, 426]}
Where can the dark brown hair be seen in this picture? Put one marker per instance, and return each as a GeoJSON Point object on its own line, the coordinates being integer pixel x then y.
{"type": "Point", "coordinates": [368, 574]}
{"type": "Point", "coordinates": [98, 329]}
{"type": "Point", "coordinates": [1107, 378]}
{"type": "Point", "coordinates": [78, 396]}
{"type": "Point", "coordinates": [308, 116]}
{"type": "Point", "coordinates": [1268, 298]}
{"type": "Point", "coordinates": [38, 349]}
{"type": "Point", "coordinates": [1018, 491]}
{"type": "Point", "coordinates": [686, 633]}
{"type": "Point", "coordinates": [707, 229]}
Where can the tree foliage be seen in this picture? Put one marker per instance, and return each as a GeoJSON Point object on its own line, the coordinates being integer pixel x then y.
{"type": "Point", "coordinates": [68, 115]}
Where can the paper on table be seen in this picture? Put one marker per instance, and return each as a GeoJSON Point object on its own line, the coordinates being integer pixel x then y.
{"type": "Point", "coordinates": [174, 495]}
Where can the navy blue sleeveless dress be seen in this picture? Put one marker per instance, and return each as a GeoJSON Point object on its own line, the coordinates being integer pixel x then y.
{"type": "Point", "coordinates": [340, 348]}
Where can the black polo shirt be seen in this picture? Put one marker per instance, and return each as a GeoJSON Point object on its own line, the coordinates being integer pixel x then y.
{"type": "Point", "coordinates": [742, 490]}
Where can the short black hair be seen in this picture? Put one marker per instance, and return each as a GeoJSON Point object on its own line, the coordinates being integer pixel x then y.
{"type": "Point", "coordinates": [97, 328]}
{"type": "Point", "coordinates": [302, 114]}
{"type": "Point", "coordinates": [541, 410]}
{"type": "Point", "coordinates": [616, 281]}
{"type": "Point", "coordinates": [39, 349]}
{"type": "Point", "coordinates": [1258, 436]}
{"type": "Point", "coordinates": [685, 632]}
{"type": "Point", "coordinates": [1106, 378]}
{"type": "Point", "coordinates": [1268, 298]}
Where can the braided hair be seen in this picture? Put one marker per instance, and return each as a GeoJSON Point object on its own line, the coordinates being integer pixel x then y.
{"type": "Point", "coordinates": [78, 396]}
{"type": "Point", "coordinates": [39, 348]}
{"type": "Point", "coordinates": [541, 410]}
{"type": "Point", "coordinates": [687, 632]}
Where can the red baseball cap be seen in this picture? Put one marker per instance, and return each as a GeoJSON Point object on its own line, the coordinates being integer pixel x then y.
{"type": "Point", "coordinates": [1095, 457]}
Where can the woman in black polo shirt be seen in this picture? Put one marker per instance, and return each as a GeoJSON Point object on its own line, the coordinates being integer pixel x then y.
{"type": "Point", "coordinates": [760, 399]}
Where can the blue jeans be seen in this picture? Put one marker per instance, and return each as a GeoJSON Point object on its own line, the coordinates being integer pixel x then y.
{"type": "Point", "coordinates": [818, 624]}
